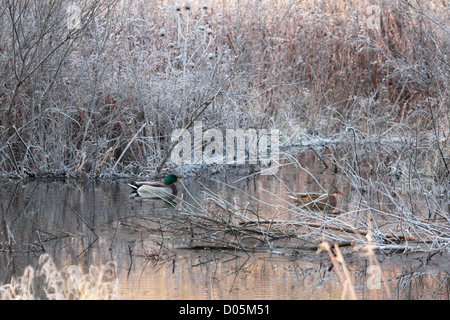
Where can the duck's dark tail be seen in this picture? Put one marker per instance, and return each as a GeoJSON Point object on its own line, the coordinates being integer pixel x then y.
{"type": "Point", "coordinates": [133, 186]}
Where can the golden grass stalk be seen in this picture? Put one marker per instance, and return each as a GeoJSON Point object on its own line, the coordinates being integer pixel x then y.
{"type": "Point", "coordinates": [68, 283]}
{"type": "Point", "coordinates": [337, 259]}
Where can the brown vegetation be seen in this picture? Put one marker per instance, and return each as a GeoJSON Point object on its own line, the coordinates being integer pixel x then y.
{"type": "Point", "coordinates": [104, 99]}
{"type": "Point", "coordinates": [71, 103]}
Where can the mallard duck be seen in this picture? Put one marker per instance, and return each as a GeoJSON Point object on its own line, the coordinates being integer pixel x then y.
{"type": "Point", "coordinates": [317, 201]}
{"type": "Point", "coordinates": [156, 189]}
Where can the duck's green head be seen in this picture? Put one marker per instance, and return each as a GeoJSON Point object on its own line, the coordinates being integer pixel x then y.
{"type": "Point", "coordinates": [170, 179]}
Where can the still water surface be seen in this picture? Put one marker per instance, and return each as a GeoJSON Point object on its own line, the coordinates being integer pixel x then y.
{"type": "Point", "coordinates": [86, 222]}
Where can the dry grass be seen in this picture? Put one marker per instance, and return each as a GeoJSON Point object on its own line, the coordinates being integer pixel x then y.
{"type": "Point", "coordinates": [144, 67]}
{"type": "Point", "coordinates": [106, 100]}
{"type": "Point", "coordinates": [68, 283]}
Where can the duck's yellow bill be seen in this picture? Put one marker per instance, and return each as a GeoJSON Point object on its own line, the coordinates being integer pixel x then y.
{"type": "Point", "coordinates": [178, 180]}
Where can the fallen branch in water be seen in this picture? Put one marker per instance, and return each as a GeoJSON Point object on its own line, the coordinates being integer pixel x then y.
{"type": "Point", "coordinates": [392, 236]}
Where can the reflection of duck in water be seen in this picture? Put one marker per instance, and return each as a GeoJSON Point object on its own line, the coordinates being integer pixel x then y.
{"type": "Point", "coordinates": [317, 201]}
{"type": "Point", "coordinates": [156, 189]}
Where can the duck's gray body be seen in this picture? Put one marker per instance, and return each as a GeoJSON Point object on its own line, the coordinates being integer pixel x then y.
{"type": "Point", "coordinates": [156, 189]}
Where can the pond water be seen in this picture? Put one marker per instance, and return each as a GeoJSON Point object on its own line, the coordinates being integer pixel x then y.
{"type": "Point", "coordinates": [92, 222]}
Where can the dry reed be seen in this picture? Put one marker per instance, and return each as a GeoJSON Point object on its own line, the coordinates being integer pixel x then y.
{"type": "Point", "coordinates": [68, 283]}
{"type": "Point", "coordinates": [74, 105]}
